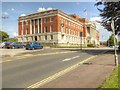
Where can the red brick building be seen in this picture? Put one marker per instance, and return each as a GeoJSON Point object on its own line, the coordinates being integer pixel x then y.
{"type": "Point", "coordinates": [55, 26]}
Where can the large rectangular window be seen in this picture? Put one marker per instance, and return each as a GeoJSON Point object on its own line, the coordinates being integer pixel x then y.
{"type": "Point", "coordinates": [36, 22]}
{"type": "Point", "coordinates": [51, 28]}
{"type": "Point", "coordinates": [45, 20]}
{"type": "Point", "coordinates": [45, 29]}
{"type": "Point", "coordinates": [51, 19]}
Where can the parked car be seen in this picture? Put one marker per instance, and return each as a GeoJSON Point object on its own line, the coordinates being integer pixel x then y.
{"type": "Point", "coordinates": [7, 44]}
{"type": "Point", "coordinates": [119, 48]}
{"type": "Point", "coordinates": [14, 45]}
{"type": "Point", "coordinates": [33, 45]}
{"type": "Point", "coordinates": [2, 44]}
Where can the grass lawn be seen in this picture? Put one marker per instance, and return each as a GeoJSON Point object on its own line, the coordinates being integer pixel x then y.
{"type": "Point", "coordinates": [114, 80]}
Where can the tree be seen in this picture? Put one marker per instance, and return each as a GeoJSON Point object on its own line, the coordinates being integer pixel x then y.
{"type": "Point", "coordinates": [110, 41]}
{"type": "Point", "coordinates": [13, 40]}
{"type": "Point", "coordinates": [3, 36]}
{"type": "Point", "coordinates": [110, 10]}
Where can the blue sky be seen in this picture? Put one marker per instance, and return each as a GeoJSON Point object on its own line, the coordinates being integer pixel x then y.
{"type": "Point", "coordinates": [14, 9]}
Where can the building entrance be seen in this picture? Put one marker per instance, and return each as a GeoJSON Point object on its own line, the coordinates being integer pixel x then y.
{"type": "Point", "coordinates": [35, 38]}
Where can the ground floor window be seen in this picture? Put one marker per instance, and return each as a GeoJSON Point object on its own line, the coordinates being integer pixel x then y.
{"type": "Point", "coordinates": [51, 37]}
{"type": "Point", "coordinates": [39, 37]}
{"type": "Point", "coordinates": [32, 38]}
{"type": "Point", "coordinates": [62, 36]}
{"type": "Point", "coordinates": [45, 37]}
{"type": "Point", "coordinates": [35, 38]}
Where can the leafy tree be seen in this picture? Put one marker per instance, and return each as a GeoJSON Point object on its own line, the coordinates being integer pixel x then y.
{"type": "Point", "coordinates": [3, 36]}
{"type": "Point", "coordinates": [111, 40]}
{"type": "Point", "coordinates": [13, 40]}
{"type": "Point", "coordinates": [110, 10]}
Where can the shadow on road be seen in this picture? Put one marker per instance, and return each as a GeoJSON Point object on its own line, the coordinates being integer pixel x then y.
{"type": "Point", "coordinates": [95, 51]}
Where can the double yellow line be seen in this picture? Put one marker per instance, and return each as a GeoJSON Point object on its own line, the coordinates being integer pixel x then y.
{"type": "Point", "coordinates": [55, 76]}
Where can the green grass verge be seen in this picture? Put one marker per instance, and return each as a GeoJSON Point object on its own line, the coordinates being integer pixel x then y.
{"type": "Point", "coordinates": [113, 80]}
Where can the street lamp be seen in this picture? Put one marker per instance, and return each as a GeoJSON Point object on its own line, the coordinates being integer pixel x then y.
{"type": "Point", "coordinates": [113, 29]}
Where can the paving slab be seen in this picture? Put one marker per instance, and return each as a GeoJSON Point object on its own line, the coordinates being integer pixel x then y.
{"type": "Point", "coordinates": [87, 75]}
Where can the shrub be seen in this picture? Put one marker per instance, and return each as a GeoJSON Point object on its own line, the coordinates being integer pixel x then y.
{"type": "Point", "coordinates": [90, 45]}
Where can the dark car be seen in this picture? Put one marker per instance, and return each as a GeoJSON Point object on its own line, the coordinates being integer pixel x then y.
{"type": "Point", "coordinates": [34, 45]}
{"type": "Point", "coordinates": [7, 44]}
{"type": "Point", "coordinates": [14, 45]}
{"type": "Point", "coordinates": [119, 48]}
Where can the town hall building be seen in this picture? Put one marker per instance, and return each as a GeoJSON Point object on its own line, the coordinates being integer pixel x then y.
{"type": "Point", "coordinates": [56, 27]}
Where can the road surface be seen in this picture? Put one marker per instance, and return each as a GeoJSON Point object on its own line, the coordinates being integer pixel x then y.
{"type": "Point", "coordinates": [21, 73]}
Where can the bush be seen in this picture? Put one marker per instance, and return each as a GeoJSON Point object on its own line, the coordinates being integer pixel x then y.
{"type": "Point", "coordinates": [90, 45]}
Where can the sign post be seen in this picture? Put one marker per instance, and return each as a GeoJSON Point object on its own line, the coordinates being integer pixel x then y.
{"type": "Point", "coordinates": [81, 40]}
{"type": "Point", "coordinates": [113, 28]}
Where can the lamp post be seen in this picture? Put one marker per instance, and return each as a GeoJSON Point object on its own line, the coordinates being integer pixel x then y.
{"type": "Point", "coordinates": [113, 28]}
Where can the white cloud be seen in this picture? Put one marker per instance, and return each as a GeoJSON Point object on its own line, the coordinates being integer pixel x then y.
{"type": "Point", "coordinates": [15, 34]}
{"type": "Point", "coordinates": [49, 8]}
{"type": "Point", "coordinates": [12, 9]}
{"type": "Point", "coordinates": [22, 15]}
{"type": "Point", "coordinates": [94, 20]}
{"type": "Point", "coordinates": [5, 13]}
{"type": "Point", "coordinates": [43, 9]}
{"type": "Point", "coordinates": [104, 34]}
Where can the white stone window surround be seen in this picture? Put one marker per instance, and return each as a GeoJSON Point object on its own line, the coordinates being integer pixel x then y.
{"type": "Point", "coordinates": [45, 20]}
{"type": "Point", "coordinates": [44, 29]}
{"type": "Point", "coordinates": [51, 28]}
{"type": "Point", "coordinates": [45, 37]}
{"type": "Point", "coordinates": [51, 19]}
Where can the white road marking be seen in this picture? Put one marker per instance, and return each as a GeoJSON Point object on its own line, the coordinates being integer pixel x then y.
{"type": "Point", "coordinates": [67, 59]}
{"type": "Point", "coordinates": [75, 57]}
{"type": "Point", "coordinates": [55, 76]}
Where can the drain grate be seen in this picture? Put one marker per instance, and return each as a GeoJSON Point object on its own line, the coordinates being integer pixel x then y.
{"type": "Point", "coordinates": [87, 63]}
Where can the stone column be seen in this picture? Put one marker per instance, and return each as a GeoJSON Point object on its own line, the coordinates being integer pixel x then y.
{"type": "Point", "coordinates": [38, 26]}
{"type": "Point", "coordinates": [22, 34]}
{"type": "Point", "coordinates": [41, 25]}
{"type": "Point", "coordinates": [34, 25]}
{"type": "Point", "coordinates": [30, 27]}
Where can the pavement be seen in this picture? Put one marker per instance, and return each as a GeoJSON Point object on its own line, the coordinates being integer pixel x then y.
{"type": "Point", "coordinates": [88, 75]}
{"type": "Point", "coordinates": [13, 52]}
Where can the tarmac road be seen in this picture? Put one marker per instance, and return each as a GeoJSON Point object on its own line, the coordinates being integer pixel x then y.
{"type": "Point", "coordinates": [21, 73]}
